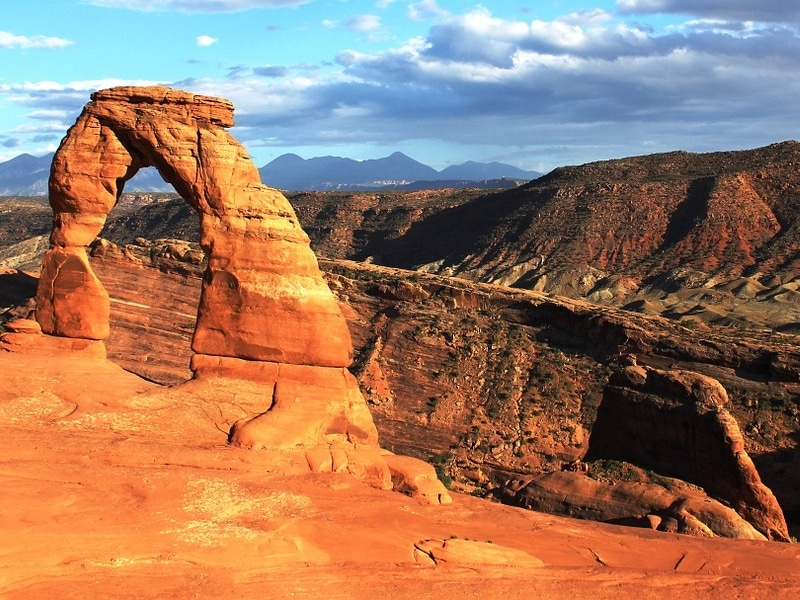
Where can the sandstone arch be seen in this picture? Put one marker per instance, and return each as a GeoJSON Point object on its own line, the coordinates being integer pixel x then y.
{"type": "Point", "coordinates": [265, 316]}
{"type": "Point", "coordinates": [263, 297]}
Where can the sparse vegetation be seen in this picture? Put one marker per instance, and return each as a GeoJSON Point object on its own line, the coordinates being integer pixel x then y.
{"type": "Point", "coordinates": [606, 469]}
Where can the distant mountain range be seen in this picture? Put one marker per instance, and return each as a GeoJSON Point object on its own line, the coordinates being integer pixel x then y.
{"type": "Point", "coordinates": [27, 175]}
{"type": "Point", "coordinates": [398, 171]}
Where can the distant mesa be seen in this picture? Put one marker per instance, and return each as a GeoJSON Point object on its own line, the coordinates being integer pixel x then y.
{"type": "Point", "coordinates": [265, 314]}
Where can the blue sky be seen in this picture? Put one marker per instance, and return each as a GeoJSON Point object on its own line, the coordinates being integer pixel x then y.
{"type": "Point", "coordinates": [532, 83]}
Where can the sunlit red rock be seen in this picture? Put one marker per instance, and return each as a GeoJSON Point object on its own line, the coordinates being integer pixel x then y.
{"type": "Point", "coordinates": [266, 317]}
{"type": "Point", "coordinates": [678, 421]}
{"type": "Point", "coordinates": [263, 296]}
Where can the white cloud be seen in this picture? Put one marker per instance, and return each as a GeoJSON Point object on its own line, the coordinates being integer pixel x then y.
{"type": "Point", "coordinates": [76, 86]}
{"type": "Point", "coordinates": [595, 16]}
{"type": "Point", "coordinates": [204, 41]}
{"type": "Point", "coordinates": [9, 40]}
{"type": "Point", "coordinates": [60, 100]}
{"type": "Point", "coordinates": [583, 87]}
{"type": "Point", "coordinates": [48, 127]}
{"type": "Point", "coordinates": [476, 78]}
{"type": "Point", "coordinates": [425, 9]}
{"type": "Point", "coordinates": [196, 6]}
{"type": "Point", "coordinates": [364, 23]}
{"type": "Point", "coordinates": [47, 114]}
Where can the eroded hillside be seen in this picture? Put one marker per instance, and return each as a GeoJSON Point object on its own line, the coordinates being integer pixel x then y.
{"type": "Point", "coordinates": [499, 387]}
{"type": "Point", "coordinates": [705, 238]}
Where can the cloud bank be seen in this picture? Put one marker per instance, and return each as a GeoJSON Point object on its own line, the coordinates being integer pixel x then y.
{"type": "Point", "coordinates": [9, 40]}
{"type": "Point", "coordinates": [588, 85]}
{"type": "Point", "coordinates": [765, 11]}
{"type": "Point", "coordinates": [583, 79]}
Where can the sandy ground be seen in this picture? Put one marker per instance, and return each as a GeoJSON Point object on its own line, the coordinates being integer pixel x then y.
{"type": "Point", "coordinates": [113, 487]}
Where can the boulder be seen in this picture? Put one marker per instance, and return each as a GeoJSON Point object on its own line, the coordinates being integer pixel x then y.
{"type": "Point", "coordinates": [632, 503]}
{"type": "Point", "coordinates": [417, 479]}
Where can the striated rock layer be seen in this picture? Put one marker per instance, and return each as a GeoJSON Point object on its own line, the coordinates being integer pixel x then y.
{"type": "Point", "coordinates": [265, 313]}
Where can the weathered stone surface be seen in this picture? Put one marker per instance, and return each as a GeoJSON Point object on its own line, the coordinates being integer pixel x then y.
{"type": "Point", "coordinates": [676, 422]}
{"type": "Point", "coordinates": [417, 479]}
{"type": "Point", "coordinates": [23, 326]}
{"type": "Point", "coordinates": [52, 347]}
{"type": "Point", "coordinates": [635, 504]}
{"type": "Point", "coordinates": [263, 297]}
{"type": "Point", "coordinates": [266, 319]}
{"type": "Point", "coordinates": [456, 552]}
{"type": "Point", "coordinates": [71, 301]}
{"type": "Point", "coordinates": [319, 410]}
{"type": "Point", "coordinates": [325, 403]}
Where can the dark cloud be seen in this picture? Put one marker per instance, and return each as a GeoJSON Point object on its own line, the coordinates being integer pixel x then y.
{"type": "Point", "coordinates": [271, 71]}
{"type": "Point", "coordinates": [609, 74]}
{"type": "Point", "coordinates": [480, 80]}
{"type": "Point", "coordinates": [765, 11]}
{"type": "Point", "coordinates": [40, 139]}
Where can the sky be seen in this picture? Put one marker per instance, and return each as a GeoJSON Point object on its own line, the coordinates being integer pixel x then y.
{"type": "Point", "coordinates": [533, 83]}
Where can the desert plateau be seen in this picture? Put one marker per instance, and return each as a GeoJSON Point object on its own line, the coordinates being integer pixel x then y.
{"type": "Point", "coordinates": [587, 385]}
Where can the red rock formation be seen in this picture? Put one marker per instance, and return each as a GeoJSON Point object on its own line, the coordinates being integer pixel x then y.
{"type": "Point", "coordinates": [260, 261]}
{"type": "Point", "coordinates": [265, 316]}
{"type": "Point", "coordinates": [631, 503]}
{"type": "Point", "coordinates": [676, 422]}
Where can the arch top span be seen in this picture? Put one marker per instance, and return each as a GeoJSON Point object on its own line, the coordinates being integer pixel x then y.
{"type": "Point", "coordinates": [263, 296]}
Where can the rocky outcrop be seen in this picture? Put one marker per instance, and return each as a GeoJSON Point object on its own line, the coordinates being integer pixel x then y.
{"type": "Point", "coordinates": [469, 553]}
{"type": "Point", "coordinates": [676, 422]}
{"type": "Point", "coordinates": [263, 297]}
{"type": "Point", "coordinates": [416, 479]}
{"type": "Point", "coordinates": [633, 503]}
{"type": "Point", "coordinates": [265, 313]}
{"type": "Point", "coordinates": [638, 217]}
